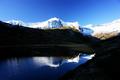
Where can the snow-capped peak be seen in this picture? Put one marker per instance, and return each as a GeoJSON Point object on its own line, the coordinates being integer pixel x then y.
{"type": "Point", "coordinates": [54, 19]}
{"type": "Point", "coordinates": [48, 24]}
{"type": "Point", "coordinates": [15, 22]}
{"type": "Point", "coordinates": [100, 30]}
{"type": "Point", "coordinates": [116, 21]}
{"type": "Point", "coordinates": [108, 27]}
{"type": "Point", "coordinates": [55, 23]}
{"type": "Point", "coordinates": [105, 30]}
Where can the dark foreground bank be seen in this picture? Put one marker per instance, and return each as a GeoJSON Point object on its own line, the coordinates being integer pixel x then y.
{"type": "Point", "coordinates": [104, 66]}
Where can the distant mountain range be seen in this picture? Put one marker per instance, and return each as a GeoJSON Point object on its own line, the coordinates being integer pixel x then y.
{"type": "Point", "coordinates": [99, 31]}
{"type": "Point", "coordinates": [104, 31]}
{"type": "Point", "coordinates": [18, 34]}
{"type": "Point", "coordinates": [48, 24]}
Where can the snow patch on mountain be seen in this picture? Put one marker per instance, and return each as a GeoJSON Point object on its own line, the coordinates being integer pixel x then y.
{"type": "Point", "coordinates": [16, 22]}
{"type": "Point", "coordinates": [74, 25]}
{"type": "Point", "coordinates": [89, 29]}
{"type": "Point", "coordinates": [110, 27]}
{"type": "Point", "coordinates": [48, 24]}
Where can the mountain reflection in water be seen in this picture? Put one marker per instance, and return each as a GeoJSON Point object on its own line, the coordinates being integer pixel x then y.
{"type": "Point", "coordinates": [39, 68]}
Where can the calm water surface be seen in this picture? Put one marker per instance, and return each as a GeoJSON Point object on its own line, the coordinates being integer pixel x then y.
{"type": "Point", "coordinates": [38, 68]}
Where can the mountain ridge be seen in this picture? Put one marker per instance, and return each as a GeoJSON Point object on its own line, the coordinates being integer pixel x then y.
{"type": "Point", "coordinates": [48, 24]}
{"type": "Point", "coordinates": [100, 31]}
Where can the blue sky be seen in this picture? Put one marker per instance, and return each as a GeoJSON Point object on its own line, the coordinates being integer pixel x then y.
{"type": "Point", "coordinates": [83, 11]}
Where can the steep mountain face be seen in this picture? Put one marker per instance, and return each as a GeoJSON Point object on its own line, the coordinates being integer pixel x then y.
{"type": "Point", "coordinates": [55, 23]}
{"type": "Point", "coordinates": [48, 24]}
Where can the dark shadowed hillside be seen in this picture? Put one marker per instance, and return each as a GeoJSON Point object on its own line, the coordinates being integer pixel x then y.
{"type": "Point", "coordinates": [104, 66]}
{"type": "Point", "coordinates": [30, 41]}
{"type": "Point", "coordinates": [15, 34]}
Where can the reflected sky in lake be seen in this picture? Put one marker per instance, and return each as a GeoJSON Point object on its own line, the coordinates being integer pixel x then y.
{"type": "Point", "coordinates": [38, 68]}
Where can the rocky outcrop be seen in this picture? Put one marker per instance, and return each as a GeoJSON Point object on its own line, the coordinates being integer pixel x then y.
{"type": "Point", "coordinates": [104, 36]}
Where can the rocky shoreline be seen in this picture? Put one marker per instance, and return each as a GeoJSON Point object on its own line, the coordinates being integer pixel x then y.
{"type": "Point", "coordinates": [104, 66]}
